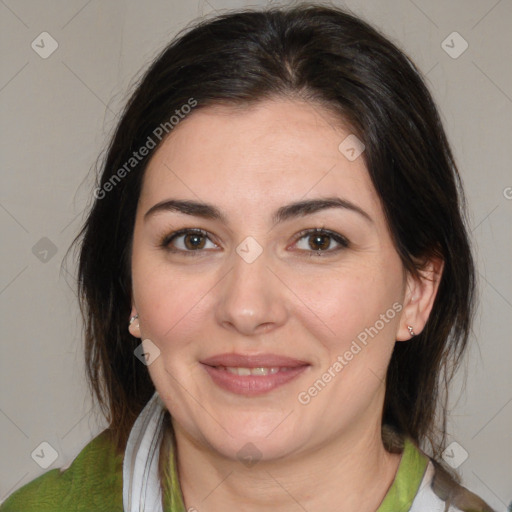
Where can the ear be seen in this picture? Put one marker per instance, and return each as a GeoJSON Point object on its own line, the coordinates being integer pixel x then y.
{"type": "Point", "coordinates": [133, 325]}
{"type": "Point", "coordinates": [420, 294]}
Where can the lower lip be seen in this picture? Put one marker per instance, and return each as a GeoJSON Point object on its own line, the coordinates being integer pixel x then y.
{"type": "Point", "coordinates": [252, 385]}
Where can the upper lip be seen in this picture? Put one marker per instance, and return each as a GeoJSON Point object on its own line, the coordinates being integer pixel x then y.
{"type": "Point", "coordinates": [253, 361]}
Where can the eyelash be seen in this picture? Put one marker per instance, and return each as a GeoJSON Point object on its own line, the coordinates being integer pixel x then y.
{"type": "Point", "coordinates": [341, 240]}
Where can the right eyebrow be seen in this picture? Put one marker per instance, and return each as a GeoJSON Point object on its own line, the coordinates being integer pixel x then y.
{"type": "Point", "coordinates": [204, 210]}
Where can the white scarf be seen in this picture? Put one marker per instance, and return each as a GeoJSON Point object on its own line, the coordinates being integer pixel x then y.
{"type": "Point", "coordinates": [141, 483]}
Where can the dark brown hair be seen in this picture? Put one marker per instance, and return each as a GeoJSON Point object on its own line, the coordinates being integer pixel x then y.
{"type": "Point", "coordinates": [332, 59]}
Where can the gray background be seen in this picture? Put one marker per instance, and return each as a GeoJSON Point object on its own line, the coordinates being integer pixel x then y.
{"type": "Point", "coordinates": [57, 113]}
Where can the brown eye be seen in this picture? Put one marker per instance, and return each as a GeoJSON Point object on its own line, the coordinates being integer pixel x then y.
{"type": "Point", "coordinates": [188, 241]}
{"type": "Point", "coordinates": [194, 241]}
{"type": "Point", "coordinates": [317, 241]}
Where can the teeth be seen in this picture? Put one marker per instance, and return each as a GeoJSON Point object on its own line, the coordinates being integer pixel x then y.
{"type": "Point", "coordinates": [239, 371]}
{"type": "Point", "coordinates": [251, 371]}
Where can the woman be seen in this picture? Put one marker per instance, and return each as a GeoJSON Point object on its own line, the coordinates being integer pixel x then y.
{"type": "Point", "coordinates": [275, 279]}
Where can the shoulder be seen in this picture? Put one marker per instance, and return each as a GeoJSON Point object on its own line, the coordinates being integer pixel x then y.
{"type": "Point", "coordinates": [93, 481]}
{"type": "Point", "coordinates": [439, 492]}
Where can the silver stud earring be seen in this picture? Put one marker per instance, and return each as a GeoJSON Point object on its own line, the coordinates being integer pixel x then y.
{"type": "Point", "coordinates": [133, 318]}
{"type": "Point", "coordinates": [411, 331]}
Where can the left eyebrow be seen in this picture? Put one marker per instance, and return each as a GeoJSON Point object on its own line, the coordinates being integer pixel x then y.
{"type": "Point", "coordinates": [301, 208]}
{"type": "Point", "coordinates": [284, 213]}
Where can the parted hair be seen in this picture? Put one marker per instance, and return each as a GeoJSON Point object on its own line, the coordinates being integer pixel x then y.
{"type": "Point", "coordinates": [326, 56]}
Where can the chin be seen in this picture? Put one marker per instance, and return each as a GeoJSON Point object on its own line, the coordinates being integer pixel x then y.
{"type": "Point", "coordinates": [249, 450]}
{"type": "Point", "coordinates": [255, 435]}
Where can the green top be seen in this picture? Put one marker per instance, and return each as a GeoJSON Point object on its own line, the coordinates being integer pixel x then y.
{"type": "Point", "coordinates": [94, 482]}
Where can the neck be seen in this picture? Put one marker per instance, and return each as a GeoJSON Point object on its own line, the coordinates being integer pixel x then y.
{"type": "Point", "coordinates": [351, 473]}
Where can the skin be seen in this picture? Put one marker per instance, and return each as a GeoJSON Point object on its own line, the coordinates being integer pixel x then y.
{"type": "Point", "coordinates": [290, 301]}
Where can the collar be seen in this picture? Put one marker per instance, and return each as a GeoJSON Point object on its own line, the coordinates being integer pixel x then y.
{"type": "Point", "coordinates": [408, 479]}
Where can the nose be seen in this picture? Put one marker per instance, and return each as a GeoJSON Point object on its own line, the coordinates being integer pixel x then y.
{"type": "Point", "coordinates": [252, 300]}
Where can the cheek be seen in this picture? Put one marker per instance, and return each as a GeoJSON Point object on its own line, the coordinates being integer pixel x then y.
{"type": "Point", "coordinates": [160, 296]}
{"type": "Point", "coordinates": [172, 305]}
{"type": "Point", "coordinates": [169, 303]}
{"type": "Point", "coordinates": [344, 303]}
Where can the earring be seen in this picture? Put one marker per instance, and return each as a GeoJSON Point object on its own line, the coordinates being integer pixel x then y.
{"type": "Point", "coordinates": [133, 318]}
{"type": "Point", "coordinates": [411, 331]}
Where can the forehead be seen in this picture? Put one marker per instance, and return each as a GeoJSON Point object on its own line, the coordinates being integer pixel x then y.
{"type": "Point", "coordinates": [273, 152]}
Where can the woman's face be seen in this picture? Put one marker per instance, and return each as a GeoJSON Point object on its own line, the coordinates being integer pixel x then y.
{"type": "Point", "coordinates": [268, 333]}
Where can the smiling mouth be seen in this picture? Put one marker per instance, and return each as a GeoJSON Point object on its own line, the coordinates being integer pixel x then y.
{"type": "Point", "coordinates": [252, 375]}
